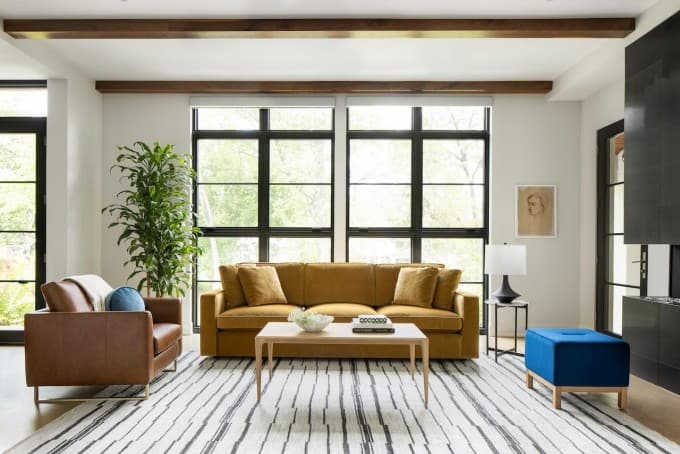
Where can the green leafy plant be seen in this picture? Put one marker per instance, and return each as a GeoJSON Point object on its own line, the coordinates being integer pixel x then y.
{"type": "Point", "coordinates": [156, 217]}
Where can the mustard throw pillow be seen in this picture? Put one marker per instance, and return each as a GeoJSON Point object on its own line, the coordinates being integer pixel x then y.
{"type": "Point", "coordinates": [447, 283]}
{"type": "Point", "coordinates": [415, 287]}
{"type": "Point", "coordinates": [261, 285]}
{"type": "Point", "coordinates": [231, 286]}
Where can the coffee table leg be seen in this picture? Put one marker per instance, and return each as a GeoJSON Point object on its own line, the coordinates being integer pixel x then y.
{"type": "Point", "coordinates": [412, 355]}
{"type": "Point", "coordinates": [258, 366]}
{"type": "Point", "coordinates": [425, 347]}
{"type": "Point", "coordinates": [270, 355]}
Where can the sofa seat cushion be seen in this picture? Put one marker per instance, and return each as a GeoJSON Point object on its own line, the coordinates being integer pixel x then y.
{"type": "Point", "coordinates": [425, 318]}
{"type": "Point", "coordinates": [254, 317]}
{"type": "Point", "coordinates": [342, 310]}
{"type": "Point", "coordinates": [164, 335]}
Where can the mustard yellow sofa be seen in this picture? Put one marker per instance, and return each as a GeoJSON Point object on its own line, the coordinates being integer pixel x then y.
{"type": "Point", "coordinates": [344, 290]}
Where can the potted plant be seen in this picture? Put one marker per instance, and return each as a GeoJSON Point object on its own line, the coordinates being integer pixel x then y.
{"type": "Point", "coordinates": [156, 217]}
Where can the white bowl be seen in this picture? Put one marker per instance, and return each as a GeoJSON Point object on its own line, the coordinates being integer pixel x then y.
{"type": "Point", "coordinates": [310, 321]}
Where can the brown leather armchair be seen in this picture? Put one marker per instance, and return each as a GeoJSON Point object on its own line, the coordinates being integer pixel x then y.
{"type": "Point", "coordinates": [72, 345]}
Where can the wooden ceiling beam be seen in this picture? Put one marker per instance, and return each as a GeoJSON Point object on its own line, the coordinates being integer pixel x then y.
{"type": "Point", "coordinates": [325, 87]}
{"type": "Point", "coordinates": [317, 28]}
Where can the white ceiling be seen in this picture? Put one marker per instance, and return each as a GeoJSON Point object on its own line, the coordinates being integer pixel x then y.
{"type": "Point", "coordinates": [318, 8]}
{"type": "Point", "coordinates": [313, 59]}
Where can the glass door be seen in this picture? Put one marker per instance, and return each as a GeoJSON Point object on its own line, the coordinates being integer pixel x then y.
{"type": "Point", "coordinates": [621, 267]}
{"type": "Point", "coordinates": [22, 222]}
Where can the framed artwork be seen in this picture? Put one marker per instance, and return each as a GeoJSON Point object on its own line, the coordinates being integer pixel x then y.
{"type": "Point", "coordinates": [536, 211]}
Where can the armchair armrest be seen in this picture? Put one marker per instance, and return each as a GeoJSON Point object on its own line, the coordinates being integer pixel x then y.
{"type": "Point", "coordinates": [212, 305]}
{"type": "Point", "coordinates": [164, 310]}
{"type": "Point", "coordinates": [467, 306]}
{"type": "Point", "coordinates": [88, 348]}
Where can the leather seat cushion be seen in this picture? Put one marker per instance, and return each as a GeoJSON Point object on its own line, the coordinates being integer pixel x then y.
{"type": "Point", "coordinates": [342, 310]}
{"type": "Point", "coordinates": [254, 317]}
{"type": "Point", "coordinates": [426, 319]}
{"type": "Point", "coordinates": [165, 335]}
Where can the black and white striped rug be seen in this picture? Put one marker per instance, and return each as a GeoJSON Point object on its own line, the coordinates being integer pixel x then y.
{"type": "Point", "coordinates": [345, 406]}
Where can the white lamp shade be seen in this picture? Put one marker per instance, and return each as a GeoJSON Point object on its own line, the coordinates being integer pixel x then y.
{"type": "Point", "coordinates": [505, 259]}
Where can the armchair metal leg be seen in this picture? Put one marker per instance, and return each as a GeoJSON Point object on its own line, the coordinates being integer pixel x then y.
{"type": "Point", "coordinates": [174, 367]}
{"type": "Point", "coordinates": [37, 400]}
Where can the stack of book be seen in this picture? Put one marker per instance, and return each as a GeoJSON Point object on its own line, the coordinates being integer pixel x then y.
{"type": "Point", "coordinates": [372, 324]}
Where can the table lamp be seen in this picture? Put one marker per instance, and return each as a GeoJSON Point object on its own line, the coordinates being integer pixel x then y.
{"type": "Point", "coordinates": [505, 259]}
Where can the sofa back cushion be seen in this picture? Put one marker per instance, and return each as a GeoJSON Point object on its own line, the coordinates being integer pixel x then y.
{"type": "Point", "coordinates": [291, 277]}
{"type": "Point", "coordinates": [65, 296]}
{"type": "Point", "coordinates": [447, 284]}
{"type": "Point", "coordinates": [339, 283]}
{"type": "Point", "coordinates": [386, 279]}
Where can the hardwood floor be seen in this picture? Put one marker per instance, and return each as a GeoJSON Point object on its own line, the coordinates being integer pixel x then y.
{"type": "Point", "coordinates": [652, 406]}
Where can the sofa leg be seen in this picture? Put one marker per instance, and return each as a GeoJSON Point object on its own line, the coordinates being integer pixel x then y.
{"type": "Point", "coordinates": [557, 397]}
{"type": "Point", "coordinates": [623, 398]}
{"type": "Point", "coordinates": [36, 395]}
{"type": "Point", "coordinates": [530, 380]}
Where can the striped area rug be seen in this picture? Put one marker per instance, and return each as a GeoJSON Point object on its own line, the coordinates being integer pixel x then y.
{"type": "Point", "coordinates": [345, 406]}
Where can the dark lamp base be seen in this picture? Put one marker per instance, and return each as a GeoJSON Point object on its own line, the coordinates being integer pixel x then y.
{"type": "Point", "coordinates": [505, 294]}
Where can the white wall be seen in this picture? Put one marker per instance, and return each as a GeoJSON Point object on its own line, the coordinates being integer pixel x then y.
{"type": "Point", "coordinates": [535, 141]}
{"type": "Point", "coordinates": [74, 132]}
{"type": "Point", "coordinates": [129, 118]}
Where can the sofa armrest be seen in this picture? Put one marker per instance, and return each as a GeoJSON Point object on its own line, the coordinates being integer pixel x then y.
{"type": "Point", "coordinates": [212, 305]}
{"type": "Point", "coordinates": [164, 310]}
{"type": "Point", "coordinates": [467, 306]}
{"type": "Point", "coordinates": [88, 348]}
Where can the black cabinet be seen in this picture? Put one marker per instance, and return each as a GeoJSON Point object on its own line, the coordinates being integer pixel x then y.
{"type": "Point", "coordinates": [653, 331]}
{"type": "Point", "coordinates": [652, 116]}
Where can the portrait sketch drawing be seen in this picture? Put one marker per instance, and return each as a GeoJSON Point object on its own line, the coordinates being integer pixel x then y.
{"type": "Point", "coordinates": [535, 211]}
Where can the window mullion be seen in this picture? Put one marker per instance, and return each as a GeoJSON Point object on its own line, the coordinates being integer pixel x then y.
{"type": "Point", "coordinates": [263, 186]}
{"type": "Point", "coordinates": [417, 186]}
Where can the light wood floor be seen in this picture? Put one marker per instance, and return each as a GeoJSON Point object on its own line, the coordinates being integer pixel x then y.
{"type": "Point", "coordinates": [652, 406]}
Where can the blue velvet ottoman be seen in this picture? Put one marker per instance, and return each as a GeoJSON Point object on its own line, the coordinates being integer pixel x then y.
{"type": "Point", "coordinates": [577, 360]}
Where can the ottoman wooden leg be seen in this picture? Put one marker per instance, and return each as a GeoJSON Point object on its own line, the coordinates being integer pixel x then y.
{"type": "Point", "coordinates": [623, 398]}
{"type": "Point", "coordinates": [530, 380]}
{"type": "Point", "coordinates": [557, 397]}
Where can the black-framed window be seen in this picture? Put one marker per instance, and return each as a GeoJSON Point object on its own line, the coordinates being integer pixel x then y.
{"type": "Point", "coordinates": [264, 187]}
{"type": "Point", "coordinates": [418, 187]}
{"type": "Point", "coordinates": [23, 107]}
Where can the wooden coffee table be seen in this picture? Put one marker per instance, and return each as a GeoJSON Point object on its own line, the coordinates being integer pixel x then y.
{"type": "Point", "coordinates": [340, 333]}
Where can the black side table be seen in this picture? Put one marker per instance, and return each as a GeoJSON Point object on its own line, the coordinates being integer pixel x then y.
{"type": "Point", "coordinates": [496, 305]}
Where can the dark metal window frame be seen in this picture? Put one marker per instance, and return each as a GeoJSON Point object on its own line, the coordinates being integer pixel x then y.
{"type": "Point", "coordinates": [263, 231]}
{"type": "Point", "coordinates": [416, 232]}
{"type": "Point", "coordinates": [37, 126]}
{"type": "Point", "coordinates": [603, 233]}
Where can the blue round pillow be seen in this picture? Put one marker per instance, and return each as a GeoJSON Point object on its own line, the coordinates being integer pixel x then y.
{"type": "Point", "coordinates": [124, 299]}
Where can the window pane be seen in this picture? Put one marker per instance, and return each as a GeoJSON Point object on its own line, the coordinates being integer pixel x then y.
{"type": "Point", "coordinates": [380, 206]}
{"type": "Point", "coordinates": [299, 249]}
{"type": "Point", "coordinates": [616, 162]}
{"type": "Point", "coordinates": [300, 206]}
{"type": "Point", "coordinates": [17, 256]}
{"type": "Point", "coordinates": [465, 254]}
{"type": "Point", "coordinates": [380, 250]}
{"type": "Point", "coordinates": [230, 118]}
{"type": "Point", "coordinates": [616, 194]}
{"type": "Point", "coordinates": [23, 102]}
{"type": "Point", "coordinates": [17, 157]}
{"type": "Point", "coordinates": [622, 270]}
{"type": "Point", "coordinates": [300, 161]}
{"type": "Point", "coordinates": [227, 205]}
{"type": "Point", "coordinates": [227, 161]}
{"type": "Point", "coordinates": [453, 206]}
{"type": "Point", "coordinates": [465, 118]}
{"type": "Point", "coordinates": [381, 118]}
{"type": "Point", "coordinates": [453, 161]}
{"type": "Point", "coordinates": [301, 118]}
{"type": "Point", "coordinates": [221, 251]}
{"type": "Point", "coordinates": [15, 300]}
{"type": "Point", "coordinates": [380, 161]}
{"type": "Point", "coordinates": [17, 206]}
